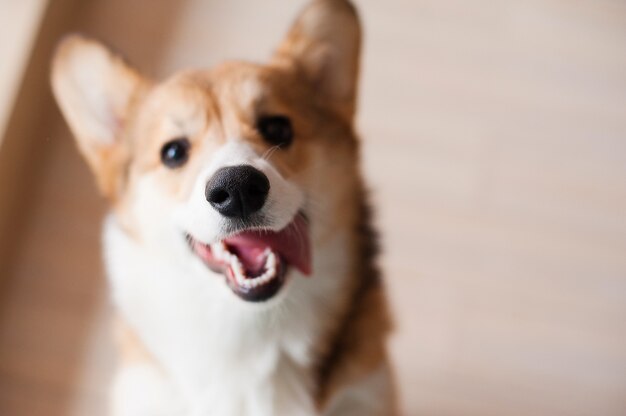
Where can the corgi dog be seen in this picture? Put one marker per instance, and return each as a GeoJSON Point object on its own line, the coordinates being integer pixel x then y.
{"type": "Point", "coordinates": [238, 247]}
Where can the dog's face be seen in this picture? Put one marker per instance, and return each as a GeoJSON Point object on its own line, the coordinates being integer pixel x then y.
{"type": "Point", "coordinates": [244, 168]}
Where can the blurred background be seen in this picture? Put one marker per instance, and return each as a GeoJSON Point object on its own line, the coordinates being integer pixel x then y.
{"type": "Point", "coordinates": [494, 140]}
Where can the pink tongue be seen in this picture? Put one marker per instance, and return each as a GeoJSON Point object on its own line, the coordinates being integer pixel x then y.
{"type": "Point", "coordinates": [292, 243]}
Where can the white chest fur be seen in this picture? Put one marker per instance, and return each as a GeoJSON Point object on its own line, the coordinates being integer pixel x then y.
{"type": "Point", "coordinates": [219, 354]}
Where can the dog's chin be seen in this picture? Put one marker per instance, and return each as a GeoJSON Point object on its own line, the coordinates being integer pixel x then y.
{"type": "Point", "coordinates": [255, 262]}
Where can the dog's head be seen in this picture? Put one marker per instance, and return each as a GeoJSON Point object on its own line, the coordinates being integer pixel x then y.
{"type": "Point", "coordinates": [247, 166]}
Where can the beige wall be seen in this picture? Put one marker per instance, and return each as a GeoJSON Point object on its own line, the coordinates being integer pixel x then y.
{"type": "Point", "coordinates": [19, 21]}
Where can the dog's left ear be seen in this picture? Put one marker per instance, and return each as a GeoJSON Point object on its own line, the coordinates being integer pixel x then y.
{"type": "Point", "coordinates": [324, 45]}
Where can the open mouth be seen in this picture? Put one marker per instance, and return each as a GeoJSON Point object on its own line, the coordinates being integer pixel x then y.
{"type": "Point", "coordinates": [255, 262]}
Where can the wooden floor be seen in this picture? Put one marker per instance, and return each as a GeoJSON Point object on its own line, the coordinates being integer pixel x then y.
{"type": "Point", "coordinates": [495, 143]}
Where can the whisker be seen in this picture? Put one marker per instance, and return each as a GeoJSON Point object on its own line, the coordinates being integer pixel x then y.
{"type": "Point", "coordinates": [269, 152]}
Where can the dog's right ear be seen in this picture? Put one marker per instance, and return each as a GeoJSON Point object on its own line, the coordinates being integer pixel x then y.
{"type": "Point", "coordinates": [324, 45]}
{"type": "Point", "coordinates": [95, 90]}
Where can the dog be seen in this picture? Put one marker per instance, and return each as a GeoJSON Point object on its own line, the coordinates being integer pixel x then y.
{"type": "Point", "coordinates": [238, 248]}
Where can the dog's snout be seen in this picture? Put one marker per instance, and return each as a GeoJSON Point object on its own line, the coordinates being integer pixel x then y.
{"type": "Point", "coordinates": [237, 191]}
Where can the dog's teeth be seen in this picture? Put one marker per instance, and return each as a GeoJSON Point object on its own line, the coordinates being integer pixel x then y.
{"type": "Point", "coordinates": [268, 274]}
{"type": "Point", "coordinates": [220, 252]}
{"type": "Point", "coordinates": [217, 251]}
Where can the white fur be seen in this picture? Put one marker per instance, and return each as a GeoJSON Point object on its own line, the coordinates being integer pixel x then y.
{"type": "Point", "coordinates": [141, 389]}
{"type": "Point", "coordinates": [218, 354]}
{"type": "Point", "coordinates": [225, 356]}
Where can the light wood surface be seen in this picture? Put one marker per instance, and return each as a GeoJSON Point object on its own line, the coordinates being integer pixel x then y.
{"type": "Point", "coordinates": [494, 140]}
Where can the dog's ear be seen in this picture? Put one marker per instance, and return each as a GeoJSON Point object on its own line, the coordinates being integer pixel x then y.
{"type": "Point", "coordinates": [95, 89]}
{"type": "Point", "coordinates": [324, 44]}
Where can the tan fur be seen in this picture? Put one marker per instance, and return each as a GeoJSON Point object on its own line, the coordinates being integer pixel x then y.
{"type": "Point", "coordinates": [131, 349]}
{"type": "Point", "coordinates": [355, 344]}
{"type": "Point", "coordinates": [125, 86]}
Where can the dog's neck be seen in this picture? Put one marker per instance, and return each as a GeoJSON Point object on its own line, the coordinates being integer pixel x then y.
{"type": "Point", "coordinates": [208, 341]}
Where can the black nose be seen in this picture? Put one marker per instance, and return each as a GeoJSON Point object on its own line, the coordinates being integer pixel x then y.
{"type": "Point", "coordinates": [237, 191]}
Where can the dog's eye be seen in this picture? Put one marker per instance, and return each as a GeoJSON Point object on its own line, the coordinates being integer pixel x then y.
{"type": "Point", "coordinates": [276, 130]}
{"type": "Point", "coordinates": [175, 152]}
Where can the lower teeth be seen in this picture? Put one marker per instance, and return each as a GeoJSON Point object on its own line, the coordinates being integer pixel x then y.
{"type": "Point", "coordinates": [221, 252]}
